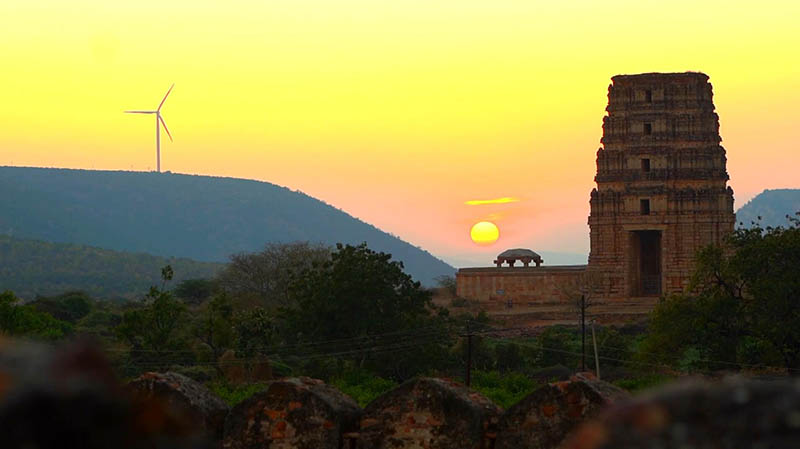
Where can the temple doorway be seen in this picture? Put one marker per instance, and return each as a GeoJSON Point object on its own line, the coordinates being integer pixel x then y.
{"type": "Point", "coordinates": [645, 263]}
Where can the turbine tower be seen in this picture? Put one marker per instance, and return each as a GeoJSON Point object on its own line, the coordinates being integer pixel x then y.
{"type": "Point", "coordinates": [159, 123]}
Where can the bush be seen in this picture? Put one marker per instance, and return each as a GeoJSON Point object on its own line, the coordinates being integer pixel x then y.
{"type": "Point", "coordinates": [233, 394]}
{"type": "Point", "coordinates": [504, 389]}
{"type": "Point", "coordinates": [362, 385]}
{"type": "Point", "coordinates": [643, 382]}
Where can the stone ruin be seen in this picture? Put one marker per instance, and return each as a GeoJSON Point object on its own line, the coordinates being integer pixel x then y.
{"type": "Point", "coordinates": [299, 413]}
{"type": "Point", "coordinates": [542, 419]}
{"type": "Point", "coordinates": [733, 414]}
{"type": "Point", "coordinates": [202, 408]}
{"type": "Point", "coordinates": [428, 413]}
{"type": "Point", "coordinates": [69, 397]}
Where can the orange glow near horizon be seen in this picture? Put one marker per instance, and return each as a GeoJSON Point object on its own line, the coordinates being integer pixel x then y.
{"type": "Point", "coordinates": [396, 112]}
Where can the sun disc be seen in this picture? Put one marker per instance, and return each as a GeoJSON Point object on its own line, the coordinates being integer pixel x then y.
{"type": "Point", "coordinates": [484, 233]}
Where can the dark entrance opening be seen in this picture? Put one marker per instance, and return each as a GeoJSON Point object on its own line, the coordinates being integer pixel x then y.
{"type": "Point", "coordinates": [645, 263]}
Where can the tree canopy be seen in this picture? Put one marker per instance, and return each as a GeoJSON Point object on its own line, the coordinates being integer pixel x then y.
{"type": "Point", "coordinates": [742, 305]}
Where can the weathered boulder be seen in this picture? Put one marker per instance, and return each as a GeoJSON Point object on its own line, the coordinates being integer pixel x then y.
{"type": "Point", "coordinates": [543, 419]}
{"type": "Point", "coordinates": [428, 413]}
{"type": "Point", "coordinates": [299, 413]}
{"type": "Point", "coordinates": [185, 396]}
{"type": "Point", "coordinates": [68, 396]}
{"type": "Point", "coordinates": [733, 414]}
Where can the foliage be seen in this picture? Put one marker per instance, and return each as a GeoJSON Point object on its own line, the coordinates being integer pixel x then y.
{"type": "Point", "coordinates": [362, 294]}
{"type": "Point", "coordinates": [642, 382]}
{"type": "Point", "coordinates": [233, 394]}
{"type": "Point", "coordinates": [208, 219]}
{"type": "Point", "coordinates": [24, 320]}
{"type": "Point", "coordinates": [504, 389]}
{"type": "Point", "coordinates": [255, 331]}
{"type": "Point", "coordinates": [196, 291]}
{"type": "Point", "coordinates": [447, 283]}
{"type": "Point", "coordinates": [742, 302]}
{"type": "Point", "coordinates": [34, 268]}
{"type": "Point", "coordinates": [214, 326]}
{"type": "Point", "coordinates": [70, 306]}
{"type": "Point", "coordinates": [264, 277]}
{"type": "Point", "coordinates": [362, 385]}
{"type": "Point", "coordinates": [153, 330]}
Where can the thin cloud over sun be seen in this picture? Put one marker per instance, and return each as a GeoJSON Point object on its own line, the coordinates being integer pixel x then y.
{"type": "Point", "coordinates": [503, 200]}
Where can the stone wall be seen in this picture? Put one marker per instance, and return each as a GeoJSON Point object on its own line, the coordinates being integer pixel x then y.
{"type": "Point", "coordinates": [523, 287]}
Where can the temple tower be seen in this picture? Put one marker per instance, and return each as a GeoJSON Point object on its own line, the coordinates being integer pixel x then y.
{"type": "Point", "coordinates": [661, 184]}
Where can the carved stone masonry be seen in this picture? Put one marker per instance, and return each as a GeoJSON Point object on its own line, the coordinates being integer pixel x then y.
{"type": "Point", "coordinates": [661, 184]}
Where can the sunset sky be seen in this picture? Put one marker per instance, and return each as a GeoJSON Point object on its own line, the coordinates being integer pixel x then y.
{"type": "Point", "coordinates": [397, 112]}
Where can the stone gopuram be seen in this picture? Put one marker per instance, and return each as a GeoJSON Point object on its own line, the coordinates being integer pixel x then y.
{"type": "Point", "coordinates": [661, 184]}
{"type": "Point", "coordinates": [661, 196]}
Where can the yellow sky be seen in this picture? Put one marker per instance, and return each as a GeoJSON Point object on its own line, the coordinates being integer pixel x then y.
{"type": "Point", "coordinates": [397, 112]}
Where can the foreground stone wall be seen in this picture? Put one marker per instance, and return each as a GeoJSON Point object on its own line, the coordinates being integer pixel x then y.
{"type": "Point", "coordinates": [545, 417]}
{"type": "Point", "coordinates": [202, 408]}
{"type": "Point", "coordinates": [299, 413]}
{"type": "Point", "coordinates": [734, 414]}
{"type": "Point", "coordinates": [69, 397]}
{"type": "Point", "coordinates": [428, 413]}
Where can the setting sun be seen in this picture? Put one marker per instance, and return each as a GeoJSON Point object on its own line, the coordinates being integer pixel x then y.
{"type": "Point", "coordinates": [484, 233]}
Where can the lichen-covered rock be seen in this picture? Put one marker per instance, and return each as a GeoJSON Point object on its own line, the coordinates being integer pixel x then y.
{"type": "Point", "coordinates": [293, 413]}
{"type": "Point", "coordinates": [204, 409]}
{"type": "Point", "coordinates": [733, 414]}
{"type": "Point", "coordinates": [428, 413]}
{"type": "Point", "coordinates": [68, 396]}
{"type": "Point", "coordinates": [543, 419]}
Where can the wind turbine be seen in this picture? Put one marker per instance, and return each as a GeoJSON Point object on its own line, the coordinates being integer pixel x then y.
{"type": "Point", "coordinates": [159, 122]}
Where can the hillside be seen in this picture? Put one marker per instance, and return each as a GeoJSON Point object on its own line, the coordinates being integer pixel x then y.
{"type": "Point", "coordinates": [32, 267]}
{"type": "Point", "coordinates": [772, 206]}
{"type": "Point", "coordinates": [171, 215]}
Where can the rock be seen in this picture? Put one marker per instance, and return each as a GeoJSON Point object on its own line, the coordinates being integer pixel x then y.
{"type": "Point", "coordinates": [300, 413]}
{"type": "Point", "coordinates": [428, 413]}
{"type": "Point", "coordinates": [68, 396]}
{"type": "Point", "coordinates": [543, 419]}
{"type": "Point", "coordinates": [187, 397]}
{"type": "Point", "coordinates": [735, 413]}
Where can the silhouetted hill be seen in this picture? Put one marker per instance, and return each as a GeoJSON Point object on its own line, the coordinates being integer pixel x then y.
{"type": "Point", "coordinates": [198, 217]}
{"type": "Point", "coordinates": [32, 267]}
{"type": "Point", "coordinates": [772, 206]}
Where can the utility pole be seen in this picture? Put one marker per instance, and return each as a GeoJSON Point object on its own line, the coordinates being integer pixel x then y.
{"type": "Point", "coordinates": [596, 358]}
{"type": "Point", "coordinates": [583, 333]}
{"type": "Point", "coordinates": [467, 374]}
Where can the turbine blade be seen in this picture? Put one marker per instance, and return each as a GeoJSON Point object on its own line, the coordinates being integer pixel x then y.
{"type": "Point", "coordinates": [140, 112]}
{"type": "Point", "coordinates": [164, 124]}
{"type": "Point", "coordinates": [165, 97]}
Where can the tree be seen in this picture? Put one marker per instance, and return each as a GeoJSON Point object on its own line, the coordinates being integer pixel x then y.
{"type": "Point", "coordinates": [196, 291]}
{"type": "Point", "coordinates": [264, 277]}
{"type": "Point", "coordinates": [255, 331]}
{"type": "Point", "coordinates": [214, 326]}
{"type": "Point", "coordinates": [447, 284]}
{"type": "Point", "coordinates": [24, 320]}
{"type": "Point", "coordinates": [364, 296]}
{"type": "Point", "coordinates": [153, 330]}
{"type": "Point", "coordinates": [70, 306]}
{"type": "Point", "coordinates": [742, 305]}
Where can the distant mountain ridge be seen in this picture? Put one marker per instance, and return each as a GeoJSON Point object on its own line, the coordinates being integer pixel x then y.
{"type": "Point", "coordinates": [33, 268]}
{"type": "Point", "coordinates": [173, 215]}
{"type": "Point", "coordinates": [772, 206]}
